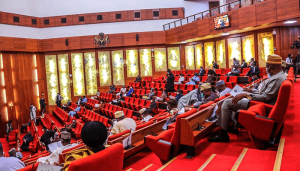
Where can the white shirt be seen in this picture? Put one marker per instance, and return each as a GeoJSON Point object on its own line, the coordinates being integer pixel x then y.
{"type": "Point", "coordinates": [10, 164]}
{"type": "Point", "coordinates": [147, 118]}
{"type": "Point", "coordinates": [123, 90]}
{"type": "Point", "coordinates": [289, 61]}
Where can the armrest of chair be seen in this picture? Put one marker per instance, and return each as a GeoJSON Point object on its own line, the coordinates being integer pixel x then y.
{"type": "Point", "coordinates": [161, 148]}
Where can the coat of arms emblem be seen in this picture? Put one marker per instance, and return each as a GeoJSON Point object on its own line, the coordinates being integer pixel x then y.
{"type": "Point", "coordinates": [100, 41]}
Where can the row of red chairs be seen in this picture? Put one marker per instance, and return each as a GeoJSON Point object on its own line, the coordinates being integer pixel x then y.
{"type": "Point", "coordinates": [72, 107]}
{"type": "Point", "coordinates": [134, 84]}
{"type": "Point", "coordinates": [156, 86]}
{"type": "Point", "coordinates": [92, 116]}
{"type": "Point", "coordinates": [47, 122]}
{"type": "Point", "coordinates": [91, 103]}
{"type": "Point", "coordinates": [106, 97]}
{"type": "Point", "coordinates": [77, 130]}
{"type": "Point", "coordinates": [135, 103]}
{"type": "Point", "coordinates": [62, 115]}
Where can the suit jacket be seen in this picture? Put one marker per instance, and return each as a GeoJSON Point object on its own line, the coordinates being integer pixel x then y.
{"type": "Point", "coordinates": [42, 102]}
{"type": "Point", "coordinates": [69, 103]}
{"type": "Point", "coordinates": [138, 79]}
{"type": "Point", "coordinates": [47, 135]}
{"type": "Point", "coordinates": [153, 105]}
{"type": "Point", "coordinates": [216, 66]}
{"type": "Point", "coordinates": [244, 65]}
{"type": "Point", "coordinates": [236, 62]}
{"type": "Point", "coordinates": [201, 73]}
{"type": "Point", "coordinates": [256, 72]}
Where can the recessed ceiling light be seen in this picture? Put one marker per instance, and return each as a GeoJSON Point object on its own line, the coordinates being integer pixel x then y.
{"type": "Point", "coordinates": [290, 22]}
{"type": "Point", "coordinates": [225, 34]}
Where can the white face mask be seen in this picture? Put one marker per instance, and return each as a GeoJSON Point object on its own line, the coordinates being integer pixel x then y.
{"type": "Point", "coordinates": [177, 92]}
{"type": "Point", "coordinates": [167, 107]}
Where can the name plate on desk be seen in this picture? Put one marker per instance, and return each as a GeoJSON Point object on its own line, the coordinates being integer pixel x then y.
{"type": "Point", "coordinates": [46, 167]}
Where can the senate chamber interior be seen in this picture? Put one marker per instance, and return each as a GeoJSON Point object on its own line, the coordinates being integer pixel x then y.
{"type": "Point", "coordinates": [152, 85]}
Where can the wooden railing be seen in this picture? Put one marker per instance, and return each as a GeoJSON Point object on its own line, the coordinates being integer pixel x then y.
{"type": "Point", "coordinates": [211, 12]}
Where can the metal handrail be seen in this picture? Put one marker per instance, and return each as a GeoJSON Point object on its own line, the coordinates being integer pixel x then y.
{"type": "Point", "coordinates": [203, 15]}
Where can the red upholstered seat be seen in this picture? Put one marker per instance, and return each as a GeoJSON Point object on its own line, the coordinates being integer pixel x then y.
{"type": "Point", "coordinates": [144, 125]}
{"type": "Point", "coordinates": [110, 158]}
{"type": "Point", "coordinates": [167, 144]}
{"type": "Point", "coordinates": [32, 167]}
{"type": "Point", "coordinates": [110, 138]}
{"type": "Point", "coordinates": [264, 121]}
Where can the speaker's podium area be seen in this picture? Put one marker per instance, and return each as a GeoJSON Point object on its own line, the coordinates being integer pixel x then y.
{"type": "Point", "coordinates": [172, 85]}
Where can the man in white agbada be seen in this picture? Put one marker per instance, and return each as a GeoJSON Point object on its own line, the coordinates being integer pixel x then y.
{"type": "Point", "coordinates": [190, 99]}
{"type": "Point", "coordinates": [122, 123]}
{"type": "Point", "coordinates": [32, 112]}
{"type": "Point", "coordinates": [54, 156]}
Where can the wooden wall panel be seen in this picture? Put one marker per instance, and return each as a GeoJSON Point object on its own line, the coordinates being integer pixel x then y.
{"type": "Point", "coordinates": [247, 17]}
{"type": "Point", "coordinates": [287, 9]}
{"type": "Point", "coordinates": [284, 39]}
{"type": "Point", "coordinates": [202, 27]}
{"type": "Point", "coordinates": [268, 9]}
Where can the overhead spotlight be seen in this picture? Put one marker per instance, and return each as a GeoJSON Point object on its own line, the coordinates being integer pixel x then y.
{"type": "Point", "coordinates": [225, 34]}
{"type": "Point", "coordinates": [290, 22]}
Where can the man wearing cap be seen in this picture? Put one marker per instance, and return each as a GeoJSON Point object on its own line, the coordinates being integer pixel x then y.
{"type": "Point", "coordinates": [145, 115]}
{"type": "Point", "coordinates": [13, 153]}
{"type": "Point", "coordinates": [208, 94]}
{"type": "Point", "coordinates": [194, 80]}
{"type": "Point", "coordinates": [53, 158]}
{"type": "Point", "coordinates": [268, 93]}
{"type": "Point", "coordinates": [170, 81]}
{"type": "Point", "coordinates": [222, 89]}
{"type": "Point", "coordinates": [174, 111]}
{"type": "Point", "coordinates": [122, 123]}
{"type": "Point", "coordinates": [9, 163]}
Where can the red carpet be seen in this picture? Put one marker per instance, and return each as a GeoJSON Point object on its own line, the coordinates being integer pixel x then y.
{"type": "Point", "coordinates": [291, 133]}
{"type": "Point", "coordinates": [228, 153]}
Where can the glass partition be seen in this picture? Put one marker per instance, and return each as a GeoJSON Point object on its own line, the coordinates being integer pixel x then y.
{"type": "Point", "coordinates": [90, 73]}
{"type": "Point", "coordinates": [104, 68]}
{"type": "Point", "coordinates": [64, 80]}
{"type": "Point", "coordinates": [78, 74]}
{"type": "Point", "coordinates": [145, 62]}
{"type": "Point", "coordinates": [174, 58]}
{"type": "Point", "coordinates": [221, 53]}
{"type": "Point", "coordinates": [118, 67]}
{"type": "Point", "coordinates": [52, 81]}
{"type": "Point", "coordinates": [209, 49]}
{"type": "Point", "coordinates": [190, 57]}
{"type": "Point", "coordinates": [248, 47]}
{"type": "Point", "coordinates": [160, 59]}
{"type": "Point", "coordinates": [234, 49]}
{"type": "Point", "coordinates": [132, 63]}
{"type": "Point", "coordinates": [265, 47]}
{"type": "Point", "coordinates": [199, 56]}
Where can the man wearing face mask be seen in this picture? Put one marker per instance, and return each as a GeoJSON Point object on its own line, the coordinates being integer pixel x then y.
{"type": "Point", "coordinates": [150, 95]}
{"type": "Point", "coordinates": [208, 94]}
{"type": "Point", "coordinates": [170, 81]}
{"type": "Point", "coordinates": [194, 80]}
{"type": "Point", "coordinates": [268, 93]}
{"type": "Point", "coordinates": [222, 89]}
{"type": "Point", "coordinates": [191, 98]}
{"type": "Point", "coordinates": [129, 93]}
{"type": "Point", "coordinates": [202, 71]}
{"type": "Point", "coordinates": [254, 71]}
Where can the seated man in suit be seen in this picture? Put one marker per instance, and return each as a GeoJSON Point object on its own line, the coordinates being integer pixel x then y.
{"type": "Point", "coordinates": [254, 71]}
{"type": "Point", "coordinates": [234, 71]}
{"type": "Point", "coordinates": [202, 71]}
{"type": "Point", "coordinates": [181, 79]}
{"type": "Point", "coordinates": [268, 93]}
{"type": "Point", "coordinates": [194, 80]}
{"type": "Point", "coordinates": [215, 65]}
{"type": "Point", "coordinates": [26, 140]}
{"type": "Point", "coordinates": [149, 95]}
{"type": "Point", "coordinates": [64, 107]}
{"type": "Point", "coordinates": [244, 64]}
{"type": "Point", "coordinates": [74, 112]}
{"type": "Point", "coordinates": [138, 79]}
{"type": "Point", "coordinates": [236, 63]}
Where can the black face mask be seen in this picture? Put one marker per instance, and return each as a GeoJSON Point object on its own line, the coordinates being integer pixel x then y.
{"type": "Point", "coordinates": [220, 90]}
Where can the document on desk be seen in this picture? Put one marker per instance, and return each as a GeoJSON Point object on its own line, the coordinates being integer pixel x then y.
{"type": "Point", "coordinates": [47, 167]}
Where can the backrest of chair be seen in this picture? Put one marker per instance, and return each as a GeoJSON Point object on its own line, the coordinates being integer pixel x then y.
{"type": "Point", "coordinates": [279, 110]}
{"type": "Point", "coordinates": [111, 157]}
{"type": "Point", "coordinates": [148, 102]}
{"type": "Point", "coordinates": [136, 101]}
{"type": "Point", "coordinates": [129, 113]}
{"type": "Point", "coordinates": [233, 79]}
{"type": "Point", "coordinates": [190, 87]}
{"type": "Point", "coordinates": [101, 118]}
{"type": "Point", "coordinates": [118, 135]}
{"type": "Point", "coordinates": [158, 93]}
{"type": "Point", "coordinates": [144, 125]}
{"type": "Point", "coordinates": [176, 136]}
{"type": "Point", "coordinates": [224, 78]}
{"type": "Point", "coordinates": [131, 99]}
{"type": "Point", "coordinates": [142, 102]}
{"type": "Point", "coordinates": [182, 86]}
{"type": "Point", "coordinates": [204, 78]}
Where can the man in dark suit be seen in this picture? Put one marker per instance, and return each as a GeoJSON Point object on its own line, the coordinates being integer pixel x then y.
{"type": "Point", "coordinates": [244, 64]}
{"type": "Point", "coordinates": [47, 138]}
{"type": "Point", "coordinates": [202, 71]}
{"type": "Point", "coordinates": [170, 81]}
{"type": "Point", "coordinates": [215, 65]}
{"type": "Point", "coordinates": [138, 79]}
{"type": "Point", "coordinates": [254, 71]}
{"type": "Point", "coordinates": [26, 140]}
{"type": "Point", "coordinates": [43, 105]}
{"type": "Point", "coordinates": [8, 128]}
